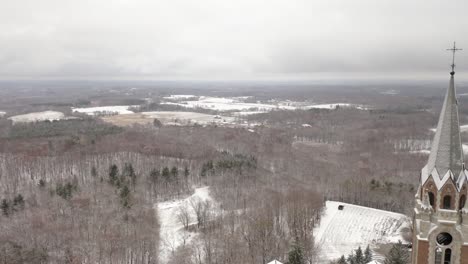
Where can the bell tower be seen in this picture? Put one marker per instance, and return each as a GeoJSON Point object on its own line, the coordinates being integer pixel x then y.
{"type": "Point", "coordinates": [440, 223]}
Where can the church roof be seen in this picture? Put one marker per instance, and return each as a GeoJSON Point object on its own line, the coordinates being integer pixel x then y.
{"type": "Point", "coordinates": [447, 151]}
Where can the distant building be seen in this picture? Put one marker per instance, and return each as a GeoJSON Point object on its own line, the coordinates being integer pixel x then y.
{"type": "Point", "coordinates": [440, 224]}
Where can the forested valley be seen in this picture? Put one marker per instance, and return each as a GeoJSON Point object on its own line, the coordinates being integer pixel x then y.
{"type": "Point", "coordinates": [86, 191]}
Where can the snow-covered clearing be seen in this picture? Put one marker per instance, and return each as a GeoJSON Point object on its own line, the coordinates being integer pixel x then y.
{"type": "Point", "coordinates": [2, 113]}
{"type": "Point", "coordinates": [334, 106]}
{"type": "Point", "coordinates": [37, 116]}
{"type": "Point", "coordinates": [172, 232]}
{"type": "Point", "coordinates": [179, 96]}
{"type": "Point", "coordinates": [228, 104]}
{"type": "Point", "coordinates": [169, 118]}
{"type": "Point", "coordinates": [116, 109]}
{"type": "Point", "coordinates": [342, 231]}
{"type": "Point", "coordinates": [188, 117]}
{"type": "Point", "coordinates": [238, 104]}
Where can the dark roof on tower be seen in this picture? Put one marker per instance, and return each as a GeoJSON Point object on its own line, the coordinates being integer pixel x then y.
{"type": "Point", "coordinates": [447, 151]}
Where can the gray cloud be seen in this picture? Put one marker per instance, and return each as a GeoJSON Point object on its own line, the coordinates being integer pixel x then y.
{"type": "Point", "coordinates": [228, 39]}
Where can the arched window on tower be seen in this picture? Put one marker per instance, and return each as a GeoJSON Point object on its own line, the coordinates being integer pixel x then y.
{"type": "Point", "coordinates": [431, 199]}
{"type": "Point", "coordinates": [447, 202]}
{"type": "Point", "coordinates": [447, 256]}
{"type": "Point", "coordinates": [438, 256]}
{"type": "Point", "coordinates": [461, 204]}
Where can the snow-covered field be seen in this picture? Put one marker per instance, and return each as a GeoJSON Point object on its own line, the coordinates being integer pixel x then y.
{"type": "Point", "coordinates": [168, 117]}
{"type": "Point", "coordinates": [179, 96]}
{"type": "Point", "coordinates": [116, 109]}
{"type": "Point", "coordinates": [38, 116]}
{"type": "Point", "coordinates": [342, 231]}
{"type": "Point", "coordinates": [334, 106]}
{"type": "Point", "coordinates": [172, 231]}
{"type": "Point", "coordinates": [238, 104]}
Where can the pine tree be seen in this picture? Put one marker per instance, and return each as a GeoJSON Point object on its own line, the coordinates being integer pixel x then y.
{"type": "Point", "coordinates": [342, 260]}
{"type": "Point", "coordinates": [367, 255]}
{"type": "Point", "coordinates": [42, 183]}
{"type": "Point", "coordinates": [398, 254]}
{"type": "Point", "coordinates": [5, 206]}
{"type": "Point", "coordinates": [296, 256]}
{"type": "Point", "coordinates": [154, 176]}
{"type": "Point", "coordinates": [174, 172]}
{"type": "Point", "coordinates": [18, 202]}
{"type": "Point", "coordinates": [93, 172]}
{"type": "Point", "coordinates": [113, 172]}
{"type": "Point", "coordinates": [128, 171]}
{"type": "Point", "coordinates": [359, 257]}
{"type": "Point", "coordinates": [125, 197]}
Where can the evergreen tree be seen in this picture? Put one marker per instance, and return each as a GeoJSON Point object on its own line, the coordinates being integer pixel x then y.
{"type": "Point", "coordinates": [367, 255]}
{"type": "Point", "coordinates": [154, 176]}
{"type": "Point", "coordinates": [42, 183]}
{"type": "Point", "coordinates": [342, 260]}
{"type": "Point", "coordinates": [18, 202]}
{"type": "Point", "coordinates": [398, 254]}
{"type": "Point", "coordinates": [351, 259]}
{"type": "Point", "coordinates": [174, 172]}
{"type": "Point", "coordinates": [359, 257]}
{"type": "Point", "coordinates": [113, 172]}
{"type": "Point", "coordinates": [125, 197]}
{"type": "Point", "coordinates": [128, 171]}
{"type": "Point", "coordinates": [296, 256]}
{"type": "Point", "coordinates": [5, 206]}
{"type": "Point", "coordinates": [186, 173]}
{"type": "Point", "coordinates": [93, 172]}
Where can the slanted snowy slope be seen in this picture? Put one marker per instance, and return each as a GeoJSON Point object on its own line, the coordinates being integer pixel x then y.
{"type": "Point", "coordinates": [342, 231]}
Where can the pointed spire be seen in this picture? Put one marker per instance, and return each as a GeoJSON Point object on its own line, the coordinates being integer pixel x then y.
{"type": "Point", "coordinates": [447, 152]}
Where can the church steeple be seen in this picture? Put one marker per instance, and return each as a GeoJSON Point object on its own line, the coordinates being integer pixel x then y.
{"type": "Point", "coordinates": [447, 152]}
{"type": "Point", "coordinates": [440, 223]}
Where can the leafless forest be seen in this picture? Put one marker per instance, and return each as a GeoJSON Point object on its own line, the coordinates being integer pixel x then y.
{"type": "Point", "coordinates": [85, 191]}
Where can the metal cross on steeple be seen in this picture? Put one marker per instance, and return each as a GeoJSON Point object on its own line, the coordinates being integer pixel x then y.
{"type": "Point", "coordinates": [453, 50]}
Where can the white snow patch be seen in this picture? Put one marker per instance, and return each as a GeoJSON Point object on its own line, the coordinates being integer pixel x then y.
{"type": "Point", "coordinates": [245, 113]}
{"type": "Point", "coordinates": [37, 116]}
{"type": "Point", "coordinates": [2, 113]}
{"type": "Point", "coordinates": [169, 117]}
{"type": "Point", "coordinates": [172, 232]}
{"type": "Point", "coordinates": [342, 231]}
{"type": "Point", "coordinates": [306, 125]}
{"type": "Point", "coordinates": [116, 109]}
{"type": "Point", "coordinates": [336, 105]}
{"type": "Point", "coordinates": [179, 96]}
{"type": "Point", "coordinates": [238, 104]}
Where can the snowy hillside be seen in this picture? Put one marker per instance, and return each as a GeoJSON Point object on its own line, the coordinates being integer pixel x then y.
{"type": "Point", "coordinates": [342, 231]}
{"type": "Point", "coordinates": [172, 231]}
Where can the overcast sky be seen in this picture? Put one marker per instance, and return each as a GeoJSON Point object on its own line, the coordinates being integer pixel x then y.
{"type": "Point", "coordinates": [235, 39]}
